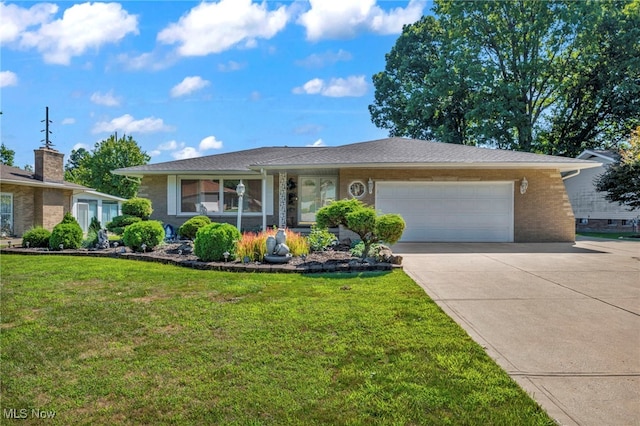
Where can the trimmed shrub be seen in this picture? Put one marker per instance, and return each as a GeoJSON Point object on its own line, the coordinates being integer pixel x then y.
{"type": "Point", "coordinates": [214, 239]}
{"type": "Point", "coordinates": [320, 239]}
{"type": "Point", "coordinates": [36, 237]}
{"type": "Point", "coordinates": [148, 232]}
{"type": "Point", "coordinates": [92, 233]}
{"type": "Point", "coordinates": [68, 218]}
{"type": "Point", "coordinates": [139, 207]}
{"type": "Point", "coordinates": [389, 228]}
{"type": "Point", "coordinates": [67, 234]}
{"type": "Point", "coordinates": [336, 213]}
{"type": "Point", "coordinates": [119, 223]}
{"type": "Point", "coordinates": [191, 226]}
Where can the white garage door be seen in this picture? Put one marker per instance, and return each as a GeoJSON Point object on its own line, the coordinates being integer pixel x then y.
{"type": "Point", "coordinates": [450, 211]}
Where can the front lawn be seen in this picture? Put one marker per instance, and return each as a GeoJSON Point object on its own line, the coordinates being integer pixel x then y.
{"type": "Point", "coordinates": [109, 341]}
{"type": "Point", "coordinates": [611, 235]}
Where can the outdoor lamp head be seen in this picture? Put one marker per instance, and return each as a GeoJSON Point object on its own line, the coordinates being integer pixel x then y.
{"type": "Point", "coordinates": [240, 189]}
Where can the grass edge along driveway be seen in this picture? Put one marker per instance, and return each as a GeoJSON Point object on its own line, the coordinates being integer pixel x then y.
{"type": "Point", "coordinates": [108, 341]}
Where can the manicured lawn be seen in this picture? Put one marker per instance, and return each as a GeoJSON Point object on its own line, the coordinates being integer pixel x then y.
{"type": "Point", "coordinates": [109, 341]}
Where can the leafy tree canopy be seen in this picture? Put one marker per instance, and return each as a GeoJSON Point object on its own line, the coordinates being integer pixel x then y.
{"type": "Point", "coordinates": [555, 77]}
{"type": "Point", "coordinates": [621, 181]}
{"type": "Point", "coordinates": [6, 155]}
{"type": "Point", "coordinates": [93, 169]}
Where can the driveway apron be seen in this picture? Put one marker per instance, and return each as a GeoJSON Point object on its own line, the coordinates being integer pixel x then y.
{"type": "Point", "coordinates": [562, 319]}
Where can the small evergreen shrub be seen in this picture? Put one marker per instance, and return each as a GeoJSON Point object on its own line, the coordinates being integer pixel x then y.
{"type": "Point", "coordinates": [191, 226]}
{"type": "Point", "coordinates": [148, 232]}
{"type": "Point", "coordinates": [336, 213]}
{"type": "Point", "coordinates": [214, 239]}
{"type": "Point", "coordinates": [67, 234]}
{"type": "Point", "coordinates": [119, 223]}
{"type": "Point", "coordinates": [358, 250]}
{"type": "Point", "coordinates": [36, 237]}
{"type": "Point", "coordinates": [139, 207]}
{"type": "Point", "coordinates": [68, 218]}
{"type": "Point", "coordinates": [92, 233]}
{"type": "Point", "coordinates": [389, 228]}
{"type": "Point", "coordinates": [320, 239]}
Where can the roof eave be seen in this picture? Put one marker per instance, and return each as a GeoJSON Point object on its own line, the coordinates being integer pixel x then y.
{"type": "Point", "coordinates": [140, 174]}
{"type": "Point", "coordinates": [563, 167]}
{"type": "Point", "coordinates": [41, 184]}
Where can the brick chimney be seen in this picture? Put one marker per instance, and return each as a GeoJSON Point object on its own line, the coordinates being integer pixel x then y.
{"type": "Point", "coordinates": [49, 165]}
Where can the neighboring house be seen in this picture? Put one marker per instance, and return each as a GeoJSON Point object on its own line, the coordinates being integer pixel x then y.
{"type": "Point", "coordinates": [41, 198]}
{"type": "Point", "coordinates": [444, 192]}
{"type": "Point", "coordinates": [592, 210]}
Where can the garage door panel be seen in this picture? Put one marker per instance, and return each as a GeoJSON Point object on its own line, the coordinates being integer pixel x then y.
{"type": "Point", "coordinates": [451, 211]}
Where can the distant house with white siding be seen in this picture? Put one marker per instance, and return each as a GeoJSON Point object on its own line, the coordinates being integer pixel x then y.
{"type": "Point", "coordinates": [591, 209]}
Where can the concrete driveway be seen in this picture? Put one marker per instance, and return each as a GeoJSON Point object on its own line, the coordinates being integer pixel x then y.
{"type": "Point", "coordinates": [562, 319]}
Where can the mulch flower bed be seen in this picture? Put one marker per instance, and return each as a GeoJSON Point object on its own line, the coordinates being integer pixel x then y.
{"type": "Point", "coordinates": [180, 254]}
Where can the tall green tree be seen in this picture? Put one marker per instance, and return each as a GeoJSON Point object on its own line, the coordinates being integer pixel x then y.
{"type": "Point", "coordinates": [6, 155]}
{"type": "Point", "coordinates": [525, 75]}
{"type": "Point", "coordinates": [93, 169]}
{"type": "Point", "coordinates": [621, 181]}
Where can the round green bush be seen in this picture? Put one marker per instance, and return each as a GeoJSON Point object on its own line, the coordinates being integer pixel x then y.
{"type": "Point", "coordinates": [389, 228]}
{"type": "Point", "coordinates": [148, 232]}
{"type": "Point", "coordinates": [214, 239]}
{"type": "Point", "coordinates": [68, 218]}
{"type": "Point", "coordinates": [67, 234]}
{"type": "Point", "coordinates": [139, 207]}
{"type": "Point", "coordinates": [191, 226]}
{"type": "Point", "coordinates": [336, 213]}
{"type": "Point", "coordinates": [119, 223]}
{"type": "Point", "coordinates": [362, 221]}
{"type": "Point", "coordinates": [36, 237]}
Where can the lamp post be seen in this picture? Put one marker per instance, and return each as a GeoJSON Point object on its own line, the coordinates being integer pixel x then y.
{"type": "Point", "coordinates": [240, 192]}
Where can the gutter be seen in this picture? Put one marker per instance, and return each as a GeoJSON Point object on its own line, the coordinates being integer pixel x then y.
{"type": "Point", "coordinates": [570, 175]}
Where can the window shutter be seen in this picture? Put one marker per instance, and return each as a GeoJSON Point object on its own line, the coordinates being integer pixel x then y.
{"type": "Point", "coordinates": [172, 190]}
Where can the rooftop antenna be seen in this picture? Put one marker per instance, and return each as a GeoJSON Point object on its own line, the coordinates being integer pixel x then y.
{"type": "Point", "coordinates": [47, 132]}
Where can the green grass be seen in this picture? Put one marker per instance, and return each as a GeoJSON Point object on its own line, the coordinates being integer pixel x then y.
{"type": "Point", "coordinates": [109, 341]}
{"type": "Point", "coordinates": [610, 235]}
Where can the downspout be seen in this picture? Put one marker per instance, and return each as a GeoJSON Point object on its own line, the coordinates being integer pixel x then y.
{"type": "Point", "coordinates": [264, 199]}
{"type": "Point", "coordinates": [570, 175]}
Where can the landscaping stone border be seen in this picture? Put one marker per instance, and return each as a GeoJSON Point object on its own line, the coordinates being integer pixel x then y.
{"type": "Point", "coordinates": [303, 268]}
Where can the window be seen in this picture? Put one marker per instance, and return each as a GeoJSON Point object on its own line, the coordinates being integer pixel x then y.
{"type": "Point", "coordinates": [218, 196]}
{"type": "Point", "coordinates": [87, 210]}
{"type": "Point", "coordinates": [624, 222]}
{"type": "Point", "coordinates": [109, 211]}
{"type": "Point", "coordinates": [583, 221]}
{"type": "Point", "coordinates": [315, 193]}
{"type": "Point", "coordinates": [6, 214]}
{"type": "Point", "coordinates": [611, 222]}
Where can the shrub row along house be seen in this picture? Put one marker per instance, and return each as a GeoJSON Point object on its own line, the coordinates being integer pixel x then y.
{"type": "Point", "coordinates": [41, 198]}
{"type": "Point", "coordinates": [444, 192]}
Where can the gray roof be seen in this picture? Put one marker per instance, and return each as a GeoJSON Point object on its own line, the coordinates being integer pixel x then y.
{"type": "Point", "coordinates": [388, 153]}
{"type": "Point", "coordinates": [16, 176]}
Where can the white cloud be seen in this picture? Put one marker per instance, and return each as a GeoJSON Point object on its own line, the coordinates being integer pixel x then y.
{"type": "Point", "coordinates": [82, 27]}
{"type": "Point", "coordinates": [317, 143]}
{"type": "Point", "coordinates": [80, 145]}
{"type": "Point", "coordinates": [128, 124]}
{"type": "Point", "coordinates": [153, 61]}
{"type": "Point", "coordinates": [106, 99]}
{"type": "Point", "coordinates": [319, 60]}
{"type": "Point", "coordinates": [189, 85]}
{"type": "Point", "coordinates": [216, 27]}
{"type": "Point", "coordinates": [338, 19]}
{"type": "Point", "coordinates": [231, 66]}
{"type": "Point", "coordinates": [353, 86]}
{"type": "Point", "coordinates": [187, 152]}
{"type": "Point", "coordinates": [210, 142]}
{"type": "Point", "coordinates": [15, 19]}
{"type": "Point", "coordinates": [68, 120]}
{"type": "Point", "coordinates": [8, 78]}
{"type": "Point", "coordinates": [171, 145]}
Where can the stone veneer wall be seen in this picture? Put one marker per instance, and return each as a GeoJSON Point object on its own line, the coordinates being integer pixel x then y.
{"type": "Point", "coordinates": [155, 189]}
{"type": "Point", "coordinates": [543, 214]}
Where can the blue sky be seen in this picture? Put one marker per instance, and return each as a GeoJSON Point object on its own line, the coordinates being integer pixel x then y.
{"type": "Point", "coordinates": [187, 79]}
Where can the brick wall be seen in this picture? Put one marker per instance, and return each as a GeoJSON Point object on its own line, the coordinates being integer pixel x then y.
{"type": "Point", "coordinates": [34, 206]}
{"type": "Point", "coordinates": [23, 207]}
{"type": "Point", "coordinates": [542, 214]}
{"type": "Point", "coordinates": [49, 165]}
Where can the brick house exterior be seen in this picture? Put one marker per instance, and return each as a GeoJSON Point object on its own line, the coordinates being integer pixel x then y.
{"type": "Point", "coordinates": [42, 197]}
{"type": "Point", "coordinates": [465, 181]}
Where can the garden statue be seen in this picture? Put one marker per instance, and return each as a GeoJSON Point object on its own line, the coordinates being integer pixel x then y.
{"type": "Point", "coordinates": [277, 250]}
{"type": "Point", "coordinates": [103, 239]}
